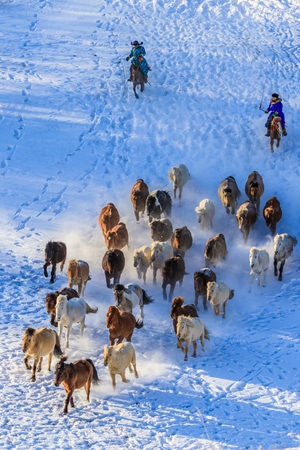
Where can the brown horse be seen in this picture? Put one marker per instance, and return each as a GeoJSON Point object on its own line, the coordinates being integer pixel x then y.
{"type": "Point", "coordinates": [39, 343]}
{"type": "Point", "coordinates": [78, 274]}
{"type": "Point", "coordinates": [74, 376]}
{"type": "Point", "coordinates": [137, 78]}
{"type": "Point", "coordinates": [121, 325]}
{"type": "Point", "coordinates": [275, 132]}
{"type": "Point", "coordinates": [201, 278]}
{"type": "Point", "coordinates": [51, 298]}
{"type": "Point", "coordinates": [246, 217]}
{"type": "Point", "coordinates": [113, 263]}
{"type": "Point", "coordinates": [55, 252]}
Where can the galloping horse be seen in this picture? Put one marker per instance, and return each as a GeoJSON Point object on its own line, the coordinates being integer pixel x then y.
{"type": "Point", "coordinates": [137, 78]}
{"type": "Point", "coordinates": [275, 132]}
{"type": "Point", "coordinates": [74, 376]}
{"type": "Point", "coordinates": [55, 252]}
{"type": "Point", "coordinates": [121, 325]}
{"type": "Point", "coordinates": [39, 343]}
{"type": "Point", "coordinates": [128, 296]}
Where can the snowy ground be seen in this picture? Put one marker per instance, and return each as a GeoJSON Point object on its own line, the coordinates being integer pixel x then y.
{"type": "Point", "coordinates": [73, 138]}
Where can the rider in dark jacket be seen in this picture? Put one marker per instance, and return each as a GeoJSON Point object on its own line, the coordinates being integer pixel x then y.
{"type": "Point", "coordinates": [275, 109]}
{"type": "Point", "coordinates": [137, 54]}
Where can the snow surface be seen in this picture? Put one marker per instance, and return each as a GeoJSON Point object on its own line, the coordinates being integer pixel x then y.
{"type": "Point", "coordinates": [73, 138]}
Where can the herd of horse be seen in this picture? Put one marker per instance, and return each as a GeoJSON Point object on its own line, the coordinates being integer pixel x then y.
{"type": "Point", "coordinates": [67, 306]}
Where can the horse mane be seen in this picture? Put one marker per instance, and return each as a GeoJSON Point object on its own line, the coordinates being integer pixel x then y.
{"type": "Point", "coordinates": [30, 331]}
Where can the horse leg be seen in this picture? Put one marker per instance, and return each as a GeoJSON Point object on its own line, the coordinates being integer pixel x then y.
{"type": "Point", "coordinates": [124, 379]}
{"type": "Point", "coordinates": [67, 400]}
{"type": "Point", "coordinates": [281, 269]}
{"type": "Point", "coordinates": [28, 366]}
{"type": "Point", "coordinates": [135, 370]}
{"type": "Point", "coordinates": [277, 143]}
{"type": "Point", "coordinates": [67, 335]}
{"type": "Point", "coordinates": [172, 287]}
{"type": "Point", "coordinates": [45, 269]}
{"type": "Point", "coordinates": [113, 379]}
{"type": "Point", "coordinates": [154, 275]}
{"type": "Point", "coordinates": [224, 309]}
{"type": "Point", "coordinates": [39, 365]}
{"type": "Point", "coordinates": [186, 350]}
{"type": "Point", "coordinates": [80, 289]}
{"type": "Point", "coordinates": [62, 264]}
{"type": "Point", "coordinates": [142, 311]}
{"type": "Point", "coordinates": [82, 326]}
{"type": "Point", "coordinates": [134, 90]}
{"type": "Point", "coordinates": [271, 144]}
{"type": "Point", "coordinates": [53, 273]}
{"type": "Point", "coordinates": [35, 362]}
{"type": "Point", "coordinates": [52, 320]}
{"type": "Point", "coordinates": [164, 288]}
{"type": "Point", "coordinates": [275, 267]}
{"type": "Point", "coordinates": [88, 388]}
{"type": "Point", "coordinates": [204, 301]}
{"type": "Point", "coordinates": [49, 361]}
{"type": "Point", "coordinates": [195, 349]}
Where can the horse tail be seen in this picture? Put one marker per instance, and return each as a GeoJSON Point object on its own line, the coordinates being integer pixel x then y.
{"type": "Point", "coordinates": [95, 374]}
{"type": "Point", "coordinates": [146, 298]}
{"type": "Point", "coordinates": [139, 324]}
{"type": "Point", "coordinates": [206, 334]}
{"type": "Point", "coordinates": [57, 349]}
{"type": "Point", "coordinates": [231, 294]}
{"type": "Point", "coordinates": [90, 310]}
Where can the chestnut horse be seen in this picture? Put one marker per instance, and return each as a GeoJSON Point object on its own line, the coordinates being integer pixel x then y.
{"type": "Point", "coordinates": [74, 376]}
{"type": "Point", "coordinates": [55, 252]}
{"type": "Point", "coordinates": [121, 325]}
{"type": "Point", "coordinates": [179, 309]}
{"type": "Point", "coordinates": [275, 132]}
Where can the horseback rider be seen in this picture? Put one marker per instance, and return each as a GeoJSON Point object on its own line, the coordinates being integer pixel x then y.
{"type": "Point", "coordinates": [275, 109]}
{"type": "Point", "coordinates": [137, 54]}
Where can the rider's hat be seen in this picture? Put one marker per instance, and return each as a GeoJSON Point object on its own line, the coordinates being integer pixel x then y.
{"type": "Point", "coordinates": [136, 43]}
{"type": "Point", "coordinates": [275, 95]}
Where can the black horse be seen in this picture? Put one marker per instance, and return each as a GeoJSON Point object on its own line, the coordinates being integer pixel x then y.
{"type": "Point", "coordinates": [55, 252]}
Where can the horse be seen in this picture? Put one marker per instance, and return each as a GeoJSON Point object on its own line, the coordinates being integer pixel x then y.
{"type": "Point", "coordinates": [275, 132]}
{"type": "Point", "coordinates": [205, 214]}
{"type": "Point", "coordinates": [51, 298]}
{"type": "Point", "coordinates": [108, 218]}
{"type": "Point", "coordinates": [181, 241]}
{"type": "Point", "coordinates": [229, 193]}
{"type": "Point", "coordinates": [189, 329]}
{"type": "Point", "coordinates": [117, 237]}
{"type": "Point", "coordinates": [113, 263]}
{"type": "Point", "coordinates": [160, 252]}
{"type": "Point", "coordinates": [259, 264]}
{"type": "Point", "coordinates": [69, 312]}
{"type": "Point", "coordinates": [39, 343]}
{"type": "Point", "coordinates": [74, 376]}
{"type": "Point", "coordinates": [142, 261]}
{"type": "Point", "coordinates": [158, 202]}
{"type": "Point", "coordinates": [120, 324]}
{"type": "Point", "coordinates": [254, 188]}
{"type": "Point", "coordinates": [161, 230]}
{"type": "Point", "coordinates": [218, 293]}
{"type": "Point", "coordinates": [117, 358]}
{"type": "Point", "coordinates": [128, 296]}
{"type": "Point", "coordinates": [179, 176]}
{"type": "Point", "coordinates": [179, 309]}
{"type": "Point", "coordinates": [173, 271]}
{"type": "Point", "coordinates": [215, 249]}
{"type": "Point", "coordinates": [78, 274]}
{"type": "Point", "coordinates": [246, 217]}
{"type": "Point", "coordinates": [283, 248]}
{"type": "Point", "coordinates": [55, 252]}
{"type": "Point", "coordinates": [201, 278]}
{"type": "Point", "coordinates": [138, 197]}
{"type": "Point", "coordinates": [137, 78]}
{"type": "Point", "coordinates": [272, 214]}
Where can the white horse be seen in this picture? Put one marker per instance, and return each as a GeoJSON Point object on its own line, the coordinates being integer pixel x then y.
{"type": "Point", "coordinates": [179, 176]}
{"type": "Point", "coordinates": [69, 312]}
{"type": "Point", "coordinates": [205, 213]}
{"type": "Point", "coordinates": [259, 263]}
{"type": "Point", "coordinates": [142, 261]}
{"type": "Point", "coordinates": [283, 248]}
{"type": "Point", "coordinates": [128, 296]}
{"type": "Point", "coordinates": [217, 294]}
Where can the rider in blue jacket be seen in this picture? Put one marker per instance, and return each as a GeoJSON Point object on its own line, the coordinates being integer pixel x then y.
{"type": "Point", "coordinates": [137, 54]}
{"type": "Point", "coordinates": [275, 109]}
